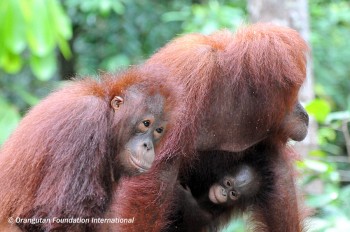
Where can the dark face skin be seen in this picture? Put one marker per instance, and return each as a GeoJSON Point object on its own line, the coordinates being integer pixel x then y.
{"type": "Point", "coordinates": [243, 183]}
{"type": "Point", "coordinates": [297, 123]}
{"type": "Point", "coordinates": [146, 128]}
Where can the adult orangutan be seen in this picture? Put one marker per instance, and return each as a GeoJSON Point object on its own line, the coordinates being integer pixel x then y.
{"type": "Point", "coordinates": [241, 96]}
{"type": "Point", "coordinates": [72, 148]}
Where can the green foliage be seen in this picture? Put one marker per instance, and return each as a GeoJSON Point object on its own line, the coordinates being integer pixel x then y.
{"type": "Point", "coordinates": [209, 16]}
{"type": "Point", "coordinates": [128, 30]}
{"type": "Point", "coordinates": [107, 35]}
{"type": "Point", "coordinates": [330, 24]}
{"type": "Point", "coordinates": [30, 31]}
{"type": "Point", "coordinates": [9, 118]}
{"type": "Point", "coordinates": [332, 204]}
{"type": "Point", "coordinates": [319, 108]}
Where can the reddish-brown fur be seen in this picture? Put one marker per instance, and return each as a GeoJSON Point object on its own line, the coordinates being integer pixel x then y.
{"type": "Point", "coordinates": [272, 207]}
{"type": "Point", "coordinates": [239, 88]}
{"type": "Point", "coordinates": [58, 162]}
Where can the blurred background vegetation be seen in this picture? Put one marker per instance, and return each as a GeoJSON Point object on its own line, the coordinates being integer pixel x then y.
{"type": "Point", "coordinates": [45, 42]}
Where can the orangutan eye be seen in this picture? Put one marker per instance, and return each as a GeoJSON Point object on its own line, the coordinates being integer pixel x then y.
{"type": "Point", "coordinates": [234, 195]}
{"type": "Point", "coordinates": [160, 130]}
{"type": "Point", "coordinates": [146, 123]}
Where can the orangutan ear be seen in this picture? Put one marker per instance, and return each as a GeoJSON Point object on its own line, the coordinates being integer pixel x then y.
{"type": "Point", "coordinates": [116, 102]}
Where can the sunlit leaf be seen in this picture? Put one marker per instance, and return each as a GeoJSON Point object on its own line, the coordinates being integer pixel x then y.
{"type": "Point", "coordinates": [326, 134]}
{"type": "Point", "coordinates": [89, 6]}
{"type": "Point", "coordinates": [40, 34]}
{"type": "Point", "coordinates": [318, 153]}
{"type": "Point", "coordinates": [118, 7]}
{"type": "Point", "coordinates": [11, 62]}
{"type": "Point", "coordinates": [318, 108]}
{"type": "Point", "coordinates": [43, 67]}
{"type": "Point", "coordinates": [316, 165]}
{"type": "Point", "coordinates": [334, 176]}
{"type": "Point", "coordinates": [60, 22]}
{"type": "Point", "coordinates": [26, 10]}
{"type": "Point", "coordinates": [13, 26]}
{"type": "Point", "coordinates": [341, 115]}
{"type": "Point", "coordinates": [105, 7]}
{"type": "Point", "coordinates": [3, 9]}
{"type": "Point", "coordinates": [64, 47]}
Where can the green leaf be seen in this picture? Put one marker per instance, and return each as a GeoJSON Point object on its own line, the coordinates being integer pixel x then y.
{"type": "Point", "coordinates": [338, 116]}
{"type": "Point", "coordinates": [9, 118]}
{"type": "Point", "coordinates": [316, 165]}
{"type": "Point", "coordinates": [326, 134]}
{"type": "Point", "coordinates": [105, 7]}
{"type": "Point", "coordinates": [318, 154]}
{"type": "Point", "coordinates": [89, 6]}
{"type": "Point", "coordinates": [11, 62]}
{"type": "Point", "coordinates": [43, 67]}
{"type": "Point", "coordinates": [118, 7]}
{"type": "Point", "coordinates": [318, 108]}
{"type": "Point", "coordinates": [64, 47]}
{"type": "Point", "coordinates": [13, 28]}
{"type": "Point", "coordinates": [39, 31]}
{"type": "Point", "coordinates": [60, 21]}
{"type": "Point", "coordinates": [322, 200]}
